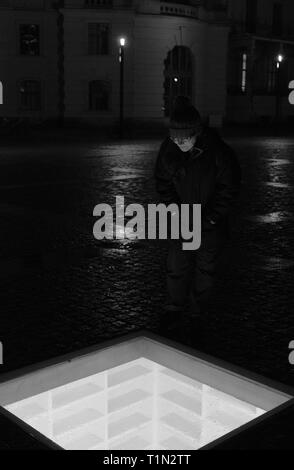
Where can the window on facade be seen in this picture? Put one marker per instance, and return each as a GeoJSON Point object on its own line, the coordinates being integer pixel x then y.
{"type": "Point", "coordinates": [100, 3]}
{"type": "Point", "coordinates": [30, 95]}
{"type": "Point", "coordinates": [244, 73]}
{"type": "Point", "coordinates": [98, 38]}
{"type": "Point", "coordinates": [99, 95]}
{"type": "Point", "coordinates": [272, 77]}
{"type": "Point", "coordinates": [266, 75]}
{"type": "Point", "coordinates": [29, 35]}
{"type": "Point", "coordinates": [277, 19]}
{"type": "Point", "coordinates": [238, 72]}
{"type": "Point", "coordinates": [251, 16]}
{"type": "Point", "coordinates": [178, 76]}
{"type": "Point", "coordinates": [260, 75]}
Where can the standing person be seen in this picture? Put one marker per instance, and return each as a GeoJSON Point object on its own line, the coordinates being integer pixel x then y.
{"type": "Point", "coordinates": [195, 166]}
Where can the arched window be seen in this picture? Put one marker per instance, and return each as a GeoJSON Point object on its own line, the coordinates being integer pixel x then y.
{"type": "Point", "coordinates": [178, 76]}
{"type": "Point", "coordinates": [30, 95]}
{"type": "Point", "coordinates": [99, 95]}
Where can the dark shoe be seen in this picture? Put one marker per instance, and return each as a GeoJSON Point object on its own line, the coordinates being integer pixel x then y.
{"type": "Point", "coordinates": [196, 331]}
{"type": "Point", "coordinates": [182, 333]}
{"type": "Point", "coordinates": [171, 308]}
{"type": "Point", "coordinates": [170, 318]}
{"type": "Point", "coordinates": [195, 322]}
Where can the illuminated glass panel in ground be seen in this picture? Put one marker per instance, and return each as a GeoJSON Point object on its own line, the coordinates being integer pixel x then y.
{"type": "Point", "coordinates": [141, 403]}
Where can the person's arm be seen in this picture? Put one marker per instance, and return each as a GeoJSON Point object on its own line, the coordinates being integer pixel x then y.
{"type": "Point", "coordinates": [163, 174]}
{"type": "Point", "coordinates": [228, 182]}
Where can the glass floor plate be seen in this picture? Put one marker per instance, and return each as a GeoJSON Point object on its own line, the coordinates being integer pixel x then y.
{"type": "Point", "coordinates": [138, 394]}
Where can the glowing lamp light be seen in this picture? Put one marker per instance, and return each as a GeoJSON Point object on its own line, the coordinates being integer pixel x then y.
{"type": "Point", "coordinates": [176, 80]}
{"type": "Point", "coordinates": [122, 42]}
{"type": "Point", "coordinates": [280, 59]}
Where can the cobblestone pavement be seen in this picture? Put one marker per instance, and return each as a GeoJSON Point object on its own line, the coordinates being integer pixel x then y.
{"type": "Point", "coordinates": [62, 290]}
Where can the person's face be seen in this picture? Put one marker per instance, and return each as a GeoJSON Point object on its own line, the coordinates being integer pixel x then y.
{"type": "Point", "coordinates": [186, 144]}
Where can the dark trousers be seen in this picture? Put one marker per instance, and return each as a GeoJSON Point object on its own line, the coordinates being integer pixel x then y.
{"type": "Point", "coordinates": [191, 274]}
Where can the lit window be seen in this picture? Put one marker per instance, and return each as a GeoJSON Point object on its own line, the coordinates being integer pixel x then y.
{"type": "Point", "coordinates": [244, 73]}
{"type": "Point", "coordinates": [98, 39]}
{"type": "Point", "coordinates": [30, 95]}
{"type": "Point", "coordinates": [99, 95]}
{"type": "Point", "coordinates": [29, 39]}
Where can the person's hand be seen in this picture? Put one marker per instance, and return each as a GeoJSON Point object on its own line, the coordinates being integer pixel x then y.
{"type": "Point", "coordinates": [208, 224]}
{"type": "Point", "coordinates": [212, 221]}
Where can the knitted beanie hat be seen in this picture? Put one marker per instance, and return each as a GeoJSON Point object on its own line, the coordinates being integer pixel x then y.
{"type": "Point", "coordinates": [185, 120]}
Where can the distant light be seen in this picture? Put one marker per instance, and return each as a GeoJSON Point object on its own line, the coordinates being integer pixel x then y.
{"type": "Point", "coordinates": [176, 79]}
{"type": "Point", "coordinates": [122, 42]}
{"type": "Point", "coordinates": [278, 65]}
{"type": "Point", "coordinates": [244, 73]}
{"type": "Point", "coordinates": [280, 58]}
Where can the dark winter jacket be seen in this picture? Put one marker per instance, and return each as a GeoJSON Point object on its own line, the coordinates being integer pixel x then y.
{"type": "Point", "coordinates": [209, 175]}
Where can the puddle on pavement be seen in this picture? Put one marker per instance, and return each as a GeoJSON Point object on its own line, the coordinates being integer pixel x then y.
{"type": "Point", "coordinates": [124, 177]}
{"type": "Point", "coordinates": [273, 264]}
{"type": "Point", "coordinates": [279, 185]}
{"type": "Point", "coordinates": [272, 218]}
{"type": "Point", "coordinates": [278, 161]}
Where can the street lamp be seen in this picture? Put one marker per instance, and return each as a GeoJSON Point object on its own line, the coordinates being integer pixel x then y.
{"type": "Point", "coordinates": [122, 42]}
{"type": "Point", "coordinates": [279, 60]}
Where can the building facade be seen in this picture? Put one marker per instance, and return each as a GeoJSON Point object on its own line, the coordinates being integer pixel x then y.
{"type": "Point", "coordinates": [170, 49]}
{"type": "Point", "coordinates": [28, 59]}
{"type": "Point", "coordinates": [260, 60]}
{"type": "Point", "coordinates": [60, 58]}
